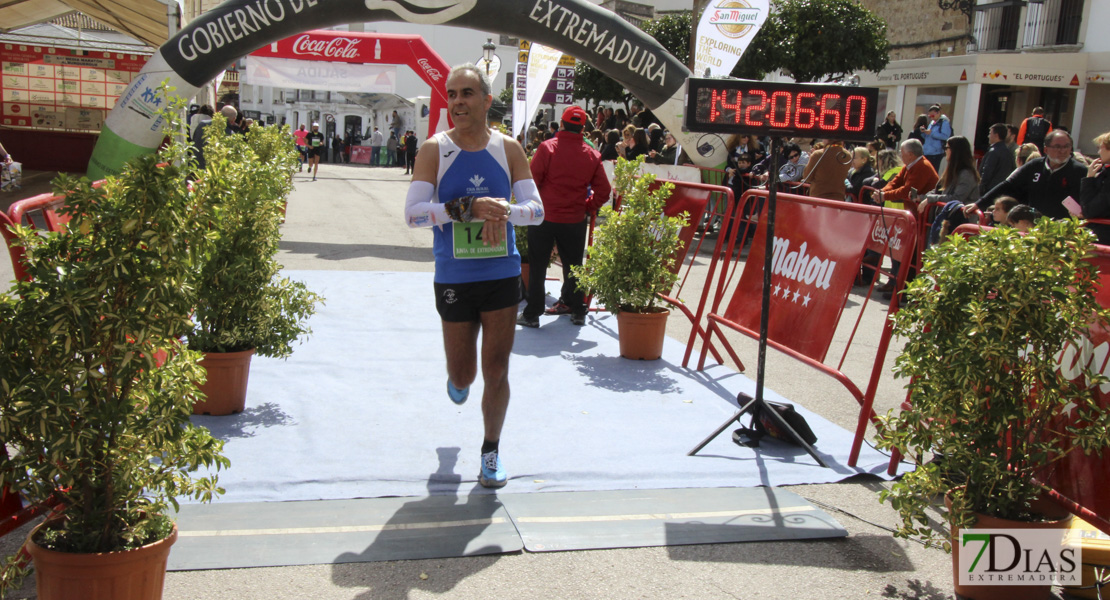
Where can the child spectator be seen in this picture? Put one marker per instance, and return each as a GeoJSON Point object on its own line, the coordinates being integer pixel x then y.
{"type": "Point", "coordinates": [1022, 217]}
{"type": "Point", "coordinates": [1002, 207]}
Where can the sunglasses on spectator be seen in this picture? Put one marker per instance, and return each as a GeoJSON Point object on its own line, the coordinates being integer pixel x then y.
{"type": "Point", "coordinates": [793, 156]}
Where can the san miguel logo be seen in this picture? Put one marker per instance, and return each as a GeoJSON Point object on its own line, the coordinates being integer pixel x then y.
{"type": "Point", "coordinates": [339, 47]}
{"type": "Point", "coordinates": [429, 69]}
{"type": "Point", "coordinates": [734, 18]}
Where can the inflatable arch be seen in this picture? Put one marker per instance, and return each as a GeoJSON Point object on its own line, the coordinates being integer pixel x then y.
{"type": "Point", "coordinates": [236, 28]}
{"type": "Point", "coordinates": [386, 48]}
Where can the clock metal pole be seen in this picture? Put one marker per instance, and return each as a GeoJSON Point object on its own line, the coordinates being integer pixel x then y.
{"type": "Point", "coordinates": [757, 406]}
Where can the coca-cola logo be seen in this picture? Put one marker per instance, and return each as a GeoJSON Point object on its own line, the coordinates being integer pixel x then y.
{"type": "Point", "coordinates": [339, 47]}
{"type": "Point", "coordinates": [879, 234]}
{"type": "Point", "coordinates": [429, 69]}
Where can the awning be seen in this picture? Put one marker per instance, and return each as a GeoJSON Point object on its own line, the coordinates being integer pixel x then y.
{"type": "Point", "coordinates": [144, 20]}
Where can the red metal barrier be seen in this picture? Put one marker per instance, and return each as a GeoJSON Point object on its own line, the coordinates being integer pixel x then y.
{"type": "Point", "coordinates": [819, 246]}
{"type": "Point", "coordinates": [1079, 481]}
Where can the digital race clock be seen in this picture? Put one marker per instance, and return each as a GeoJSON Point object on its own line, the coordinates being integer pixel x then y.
{"type": "Point", "coordinates": [784, 109]}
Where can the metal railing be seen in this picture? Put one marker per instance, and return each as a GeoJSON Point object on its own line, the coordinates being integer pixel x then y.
{"type": "Point", "coordinates": [998, 26]}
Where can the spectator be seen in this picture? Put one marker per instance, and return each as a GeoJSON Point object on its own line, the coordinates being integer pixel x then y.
{"type": "Point", "coordinates": [998, 162]}
{"type": "Point", "coordinates": [668, 154]}
{"type": "Point", "coordinates": [1024, 154]}
{"type": "Point", "coordinates": [918, 175]}
{"type": "Point", "coordinates": [862, 169]}
{"type": "Point", "coordinates": [940, 129]}
{"type": "Point", "coordinates": [888, 163]}
{"type": "Point", "coordinates": [1023, 217]}
{"type": "Point", "coordinates": [609, 148]}
{"type": "Point", "coordinates": [826, 171]}
{"type": "Point", "coordinates": [229, 114]}
{"type": "Point", "coordinates": [792, 169]}
{"type": "Point", "coordinates": [1002, 207]}
{"type": "Point", "coordinates": [640, 144]}
{"type": "Point", "coordinates": [919, 127]}
{"type": "Point", "coordinates": [736, 145]}
{"type": "Point", "coordinates": [204, 113]}
{"type": "Point", "coordinates": [573, 183]}
{"type": "Point", "coordinates": [890, 132]}
{"type": "Point", "coordinates": [410, 151]}
{"type": "Point", "coordinates": [397, 124]}
{"type": "Point", "coordinates": [622, 119]}
{"type": "Point", "coordinates": [337, 149]}
{"type": "Point", "coordinates": [391, 150]}
{"type": "Point", "coordinates": [1044, 183]}
{"type": "Point", "coordinates": [610, 119]}
{"type": "Point", "coordinates": [376, 141]}
{"type": "Point", "coordinates": [1011, 138]}
{"type": "Point", "coordinates": [1034, 129]}
{"type": "Point", "coordinates": [874, 147]}
{"type": "Point", "coordinates": [960, 181]}
{"type": "Point", "coordinates": [1094, 192]}
{"type": "Point", "coordinates": [655, 137]}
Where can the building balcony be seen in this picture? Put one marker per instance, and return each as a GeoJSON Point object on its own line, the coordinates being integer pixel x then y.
{"type": "Point", "coordinates": [1020, 25]}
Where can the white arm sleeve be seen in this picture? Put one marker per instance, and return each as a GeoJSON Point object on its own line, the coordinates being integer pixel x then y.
{"type": "Point", "coordinates": [420, 211]}
{"type": "Point", "coordinates": [528, 209]}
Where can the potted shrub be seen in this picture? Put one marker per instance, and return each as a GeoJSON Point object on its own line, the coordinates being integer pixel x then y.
{"type": "Point", "coordinates": [985, 325]}
{"type": "Point", "coordinates": [95, 388]}
{"type": "Point", "coordinates": [632, 259]}
{"type": "Point", "coordinates": [243, 305]}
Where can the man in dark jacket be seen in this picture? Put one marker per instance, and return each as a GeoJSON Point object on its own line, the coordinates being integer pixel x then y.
{"type": "Point", "coordinates": [1043, 183]}
{"type": "Point", "coordinates": [572, 183]}
{"type": "Point", "coordinates": [998, 163]}
{"type": "Point", "coordinates": [1035, 130]}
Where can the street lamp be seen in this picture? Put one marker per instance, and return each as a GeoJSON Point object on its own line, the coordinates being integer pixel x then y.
{"type": "Point", "coordinates": [487, 53]}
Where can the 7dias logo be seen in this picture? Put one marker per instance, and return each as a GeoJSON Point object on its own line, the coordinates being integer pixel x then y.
{"type": "Point", "coordinates": [1018, 557]}
{"type": "Point", "coordinates": [733, 18]}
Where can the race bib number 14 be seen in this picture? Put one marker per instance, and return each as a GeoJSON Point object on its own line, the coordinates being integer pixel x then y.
{"type": "Point", "coordinates": [468, 242]}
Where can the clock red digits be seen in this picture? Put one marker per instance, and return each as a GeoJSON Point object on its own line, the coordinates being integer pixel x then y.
{"type": "Point", "coordinates": [826, 111]}
{"type": "Point", "coordinates": [713, 112]}
{"type": "Point", "coordinates": [807, 111]}
{"type": "Point", "coordinates": [762, 106]}
{"type": "Point", "coordinates": [735, 106]}
{"type": "Point", "coordinates": [785, 120]}
{"type": "Point", "coordinates": [860, 113]}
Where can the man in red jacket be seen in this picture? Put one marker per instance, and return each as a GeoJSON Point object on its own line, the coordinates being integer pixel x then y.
{"type": "Point", "coordinates": [917, 177]}
{"type": "Point", "coordinates": [572, 183]}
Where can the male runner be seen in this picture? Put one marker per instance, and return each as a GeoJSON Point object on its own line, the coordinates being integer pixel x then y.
{"type": "Point", "coordinates": [461, 184]}
{"type": "Point", "coordinates": [317, 144]}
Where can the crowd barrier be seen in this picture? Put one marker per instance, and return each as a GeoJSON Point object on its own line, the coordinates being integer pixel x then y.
{"type": "Point", "coordinates": [819, 247]}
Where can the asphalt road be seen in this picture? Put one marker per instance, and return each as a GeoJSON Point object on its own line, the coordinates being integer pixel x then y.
{"type": "Point", "coordinates": [351, 218]}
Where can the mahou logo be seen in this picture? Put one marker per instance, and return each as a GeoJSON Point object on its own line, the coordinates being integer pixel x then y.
{"type": "Point", "coordinates": [429, 69]}
{"type": "Point", "coordinates": [800, 266]}
{"type": "Point", "coordinates": [334, 48]}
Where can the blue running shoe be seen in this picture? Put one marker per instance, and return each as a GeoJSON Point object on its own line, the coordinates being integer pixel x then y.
{"type": "Point", "coordinates": [492, 474]}
{"type": "Point", "coordinates": [455, 394]}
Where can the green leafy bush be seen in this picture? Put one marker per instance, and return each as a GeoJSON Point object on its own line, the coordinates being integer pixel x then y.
{"type": "Point", "coordinates": [985, 326]}
{"type": "Point", "coordinates": [242, 302]}
{"type": "Point", "coordinates": [633, 255]}
{"type": "Point", "coordinates": [87, 411]}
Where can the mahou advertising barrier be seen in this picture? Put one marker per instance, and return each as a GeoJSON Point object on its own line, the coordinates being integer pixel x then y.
{"type": "Point", "coordinates": [818, 248]}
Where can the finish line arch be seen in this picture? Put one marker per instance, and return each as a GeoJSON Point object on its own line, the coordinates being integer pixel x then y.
{"type": "Point", "coordinates": [322, 46]}
{"type": "Point", "coordinates": [204, 47]}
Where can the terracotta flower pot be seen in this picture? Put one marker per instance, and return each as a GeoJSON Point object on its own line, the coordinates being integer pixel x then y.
{"type": "Point", "coordinates": [226, 388]}
{"type": "Point", "coordinates": [641, 334]}
{"type": "Point", "coordinates": [137, 574]}
{"type": "Point", "coordinates": [1059, 520]}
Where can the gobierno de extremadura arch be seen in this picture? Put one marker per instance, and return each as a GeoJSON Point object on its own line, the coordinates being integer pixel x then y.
{"type": "Point", "coordinates": [203, 48]}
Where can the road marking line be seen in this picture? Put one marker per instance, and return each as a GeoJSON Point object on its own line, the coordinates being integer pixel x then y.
{"type": "Point", "coordinates": [341, 528]}
{"type": "Point", "coordinates": [665, 516]}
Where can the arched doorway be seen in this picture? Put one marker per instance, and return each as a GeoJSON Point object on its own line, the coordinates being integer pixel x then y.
{"type": "Point", "coordinates": [239, 27]}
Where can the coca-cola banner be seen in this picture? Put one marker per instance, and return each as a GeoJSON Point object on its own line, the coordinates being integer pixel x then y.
{"type": "Point", "coordinates": [818, 246]}
{"type": "Point", "coordinates": [204, 47]}
{"type": "Point", "coordinates": [318, 75]}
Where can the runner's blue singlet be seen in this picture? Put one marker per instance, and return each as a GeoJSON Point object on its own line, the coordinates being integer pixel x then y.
{"type": "Point", "coordinates": [478, 174]}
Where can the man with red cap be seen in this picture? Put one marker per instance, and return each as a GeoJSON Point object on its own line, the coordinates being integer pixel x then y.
{"type": "Point", "coordinates": [573, 184]}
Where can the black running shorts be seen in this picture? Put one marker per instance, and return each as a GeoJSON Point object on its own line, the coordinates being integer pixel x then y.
{"type": "Point", "coordinates": [463, 302]}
